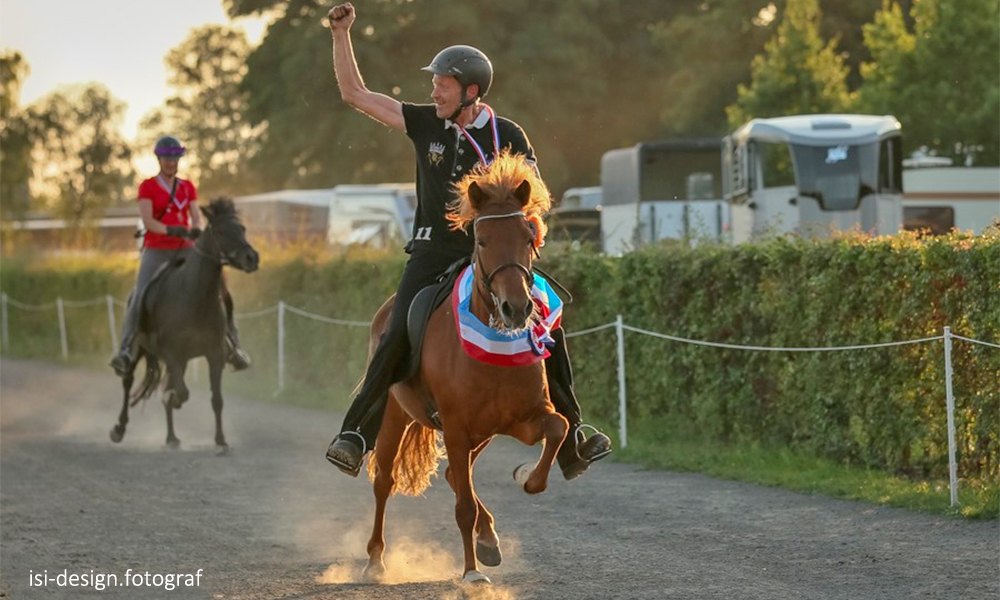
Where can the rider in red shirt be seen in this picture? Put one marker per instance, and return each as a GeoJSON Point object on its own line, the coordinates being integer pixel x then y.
{"type": "Point", "coordinates": [169, 209]}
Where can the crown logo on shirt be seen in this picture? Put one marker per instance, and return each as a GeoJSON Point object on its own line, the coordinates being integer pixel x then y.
{"type": "Point", "coordinates": [435, 153]}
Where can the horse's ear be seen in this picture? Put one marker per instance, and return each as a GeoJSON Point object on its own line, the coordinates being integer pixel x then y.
{"type": "Point", "coordinates": [205, 212]}
{"type": "Point", "coordinates": [523, 192]}
{"type": "Point", "coordinates": [476, 196]}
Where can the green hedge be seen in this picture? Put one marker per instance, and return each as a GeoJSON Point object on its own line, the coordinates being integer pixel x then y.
{"type": "Point", "coordinates": [882, 408]}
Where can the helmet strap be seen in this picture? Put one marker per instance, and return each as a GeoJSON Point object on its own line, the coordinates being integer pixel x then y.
{"type": "Point", "coordinates": [463, 105]}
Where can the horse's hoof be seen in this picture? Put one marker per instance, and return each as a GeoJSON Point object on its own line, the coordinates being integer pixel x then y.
{"type": "Point", "coordinates": [488, 556]}
{"type": "Point", "coordinates": [116, 436]}
{"type": "Point", "coordinates": [173, 444]}
{"type": "Point", "coordinates": [374, 573]}
{"type": "Point", "coordinates": [222, 450]}
{"type": "Point", "coordinates": [522, 473]}
{"type": "Point", "coordinates": [474, 577]}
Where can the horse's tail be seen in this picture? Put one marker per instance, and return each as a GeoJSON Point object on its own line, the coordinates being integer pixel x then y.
{"type": "Point", "coordinates": [150, 382]}
{"type": "Point", "coordinates": [416, 462]}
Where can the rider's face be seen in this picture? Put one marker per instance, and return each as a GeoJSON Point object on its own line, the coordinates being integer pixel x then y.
{"type": "Point", "coordinates": [447, 95]}
{"type": "Point", "coordinates": [168, 165]}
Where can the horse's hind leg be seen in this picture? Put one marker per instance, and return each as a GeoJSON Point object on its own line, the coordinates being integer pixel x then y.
{"type": "Point", "coordinates": [215, 366]}
{"type": "Point", "coordinates": [552, 427]}
{"type": "Point", "coordinates": [386, 449]}
{"type": "Point", "coordinates": [487, 541]}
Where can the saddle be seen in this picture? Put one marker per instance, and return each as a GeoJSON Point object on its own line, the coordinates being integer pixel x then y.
{"type": "Point", "coordinates": [423, 306]}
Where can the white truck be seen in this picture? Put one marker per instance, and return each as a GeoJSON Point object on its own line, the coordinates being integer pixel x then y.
{"type": "Point", "coordinates": [812, 174]}
{"type": "Point", "coordinates": [376, 215]}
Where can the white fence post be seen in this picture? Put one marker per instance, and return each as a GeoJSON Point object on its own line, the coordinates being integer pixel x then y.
{"type": "Point", "coordinates": [622, 420]}
{"type": "Point", "coordinates": [950, 398]}
{"type": "Point", "coordinates": [281, 345]}
{"type": "Point", "coordinates": [3, 316]}
{"type": "Point", "coordinates": [112, 326]}
{"type": "Point", "coordinates": [62, 328]}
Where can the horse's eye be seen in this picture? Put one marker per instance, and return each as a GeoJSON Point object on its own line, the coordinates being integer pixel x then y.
{"type": "Point", "coordinates": [481, 243]}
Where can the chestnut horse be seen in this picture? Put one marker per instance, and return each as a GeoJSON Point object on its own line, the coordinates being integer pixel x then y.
{"type": "Point", "coordinates": [475, 401]}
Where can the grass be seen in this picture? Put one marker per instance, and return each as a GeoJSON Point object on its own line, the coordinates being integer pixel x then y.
{"type": "Point", "coordinates": [650, 445]}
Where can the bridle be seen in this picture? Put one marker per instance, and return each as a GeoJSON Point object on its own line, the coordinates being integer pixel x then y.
{"type": "Point", "coordinates": [219, 257]}
{"type": "Point", "coordinates": [487, 279]}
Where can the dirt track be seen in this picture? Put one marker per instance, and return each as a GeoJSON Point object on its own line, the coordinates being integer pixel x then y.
{"type": "Point", "coordinates": [273, 520]}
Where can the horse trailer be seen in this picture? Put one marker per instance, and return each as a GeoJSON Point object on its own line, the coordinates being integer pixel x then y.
{"type": "Point", "coordinates": [940, 197]}
{"type": "Point", "coordinates": [813, 174]}
{"type": "Point", "coordinates": [659, 190]}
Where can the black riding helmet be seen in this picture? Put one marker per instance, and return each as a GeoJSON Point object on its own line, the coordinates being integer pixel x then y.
{"type": "Point", "coordinates": [466, 64]}
{"type": "Point", "coordinates": [169, 146]}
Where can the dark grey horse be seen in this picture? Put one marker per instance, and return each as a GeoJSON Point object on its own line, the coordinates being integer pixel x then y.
{"type": "Point", "coordinates": [182, 316]}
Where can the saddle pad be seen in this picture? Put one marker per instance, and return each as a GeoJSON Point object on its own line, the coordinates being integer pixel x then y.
{"type": "Point", "coordinates": [506, 349]}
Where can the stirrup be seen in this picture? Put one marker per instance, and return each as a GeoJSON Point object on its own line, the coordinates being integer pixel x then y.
{"type": "Point", "coordinates": [352, 470]}
{"type": "Point", "coordinates": [580, 439]}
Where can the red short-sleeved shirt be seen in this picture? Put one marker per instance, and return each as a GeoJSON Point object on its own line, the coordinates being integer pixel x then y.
{"type": "Point", "coordinates": [174, 212]}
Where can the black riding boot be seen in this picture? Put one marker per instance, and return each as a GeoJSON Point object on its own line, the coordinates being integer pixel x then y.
{"type": "Point", "coordinates": [237, 357]}
{"type": "Point", "coordinates": [122, 362]}
{"type": "Point", "coordinates": [364, 417]}
{"type": "Point", "coordinates": [578, 451]}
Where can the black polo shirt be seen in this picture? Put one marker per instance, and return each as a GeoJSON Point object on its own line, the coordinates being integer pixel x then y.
{"type": "Point", "coordinates": [444, 156]}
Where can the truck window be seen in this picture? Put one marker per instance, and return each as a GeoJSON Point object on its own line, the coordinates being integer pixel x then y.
{"type": "Point", "coordinates": [938, 219]}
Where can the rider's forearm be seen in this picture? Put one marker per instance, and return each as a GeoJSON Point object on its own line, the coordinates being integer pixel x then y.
{"type": "Point", "coordinates": [345, 68]}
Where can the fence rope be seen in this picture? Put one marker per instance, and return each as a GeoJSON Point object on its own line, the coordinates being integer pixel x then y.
{"type": "Point", "coordinates": [780, 349]}
{"type": "Point", "coordinates": [958, 337]}
{"type": "Point", "coordinates": [316, 317]}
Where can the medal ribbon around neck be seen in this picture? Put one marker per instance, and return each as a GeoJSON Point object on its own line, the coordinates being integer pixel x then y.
{"type": "Point", "coordinates": [173, 198]}
{"type": "Point", "coordinates": [496, 137]}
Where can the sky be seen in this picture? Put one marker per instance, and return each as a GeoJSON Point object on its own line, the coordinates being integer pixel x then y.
{"type": "Point", "coordinates": [120, 43]}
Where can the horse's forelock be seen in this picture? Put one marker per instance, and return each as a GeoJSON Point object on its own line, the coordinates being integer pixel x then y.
{"type": "Point", "coordinates": [498, 179]}
{"type": "Point", "coordinates": [223, 206]}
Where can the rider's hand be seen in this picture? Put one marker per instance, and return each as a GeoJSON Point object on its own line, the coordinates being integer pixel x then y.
{"type": "Point", "coordinates": [341, 16]}
{"type": "Point", "coordinates": [193, 233]}
{"type": "Point", "coordinates": [177, 231]}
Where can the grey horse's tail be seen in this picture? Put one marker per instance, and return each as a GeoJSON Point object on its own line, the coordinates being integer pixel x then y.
{"type": "Point", "coordinates": [150, 382]}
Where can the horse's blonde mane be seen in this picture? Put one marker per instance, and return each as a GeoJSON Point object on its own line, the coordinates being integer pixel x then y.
{"type": "Point", "coordinates": [499, 180]}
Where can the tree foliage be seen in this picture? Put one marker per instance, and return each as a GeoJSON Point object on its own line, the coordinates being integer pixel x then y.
{"type": "Point", "coordinates": [798, 73]}
{"type": "Point", "coordinates": [85, 163]}
{"type": "Point", "coordinates": [938, 77]}
{"type": "Point", "coordinates": [15, 137]}
{"type": "Point", "coordinates": [206, 110]}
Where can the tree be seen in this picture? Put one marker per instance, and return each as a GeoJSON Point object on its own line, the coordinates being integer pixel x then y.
{"type": "Point", "coordinates": [84, 162]}
{"type": "Point", "coordinates": [15, 138]}
{"type": "Point", "coordinates": [207, 110]}
{"type": "Point", "coordinates": [797, 73]}
{"type": "Point", "coordinates": [939, 78]}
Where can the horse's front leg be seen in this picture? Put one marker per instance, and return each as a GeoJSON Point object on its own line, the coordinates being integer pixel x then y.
{"type": "Point", "coordinates": [118, 431]}
{"type": "Point", "coordinates": [487, 541]}
{"type": "Point", "coordinates": [215, 367]}
{"type": "Point", "coordinates": [466, 505]}
{"type": "Point", "coordinates": [386, 449]}
{"type": "Point", "coordinates": [174, 396]}
{"type": "Point", "coordinates": [551, 426]}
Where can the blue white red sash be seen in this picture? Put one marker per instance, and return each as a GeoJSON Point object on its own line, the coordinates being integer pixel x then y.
{"type": "Point", "coordinates": [485, 344]}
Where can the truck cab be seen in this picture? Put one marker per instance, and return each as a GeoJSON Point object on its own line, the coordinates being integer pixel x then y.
{"type": "Point", "coordinates": [812, 174]}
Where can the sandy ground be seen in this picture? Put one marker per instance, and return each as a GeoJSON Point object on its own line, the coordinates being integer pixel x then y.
{"type": "Point", "coordinates": [274, 520]}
